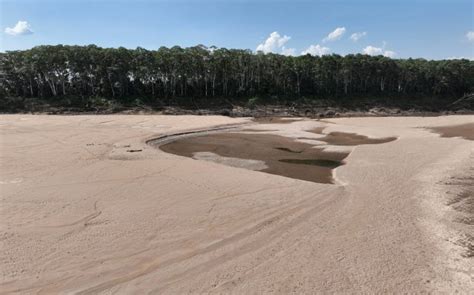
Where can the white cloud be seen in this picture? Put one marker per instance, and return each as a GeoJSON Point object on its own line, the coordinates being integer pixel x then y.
{"type": "Point", "coordinates": [21, 28]}
{"type": "Point", "coordinates": [316, 50]}
{"type": "Point", "coordinates": [356, 36]}
{"type": "Point", "coordinates": [371, 50]}
{"type": "Point", "coordinates": [288, 51]}
{"type": "Point", "coordinates": [273, 43]}
{"type": "Point", "coordinates": [389, 53]}
{"type": "Point", "coordinates": [335, 35]}
{"type": "Point", "coordinates": [470, 36]}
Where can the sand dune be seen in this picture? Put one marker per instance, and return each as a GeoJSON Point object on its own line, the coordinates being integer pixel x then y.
{"type": "Point", "coordinates": [87, 206]}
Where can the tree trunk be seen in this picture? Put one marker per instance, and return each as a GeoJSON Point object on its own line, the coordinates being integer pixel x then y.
{"type": "Point", "coordinates": [31, 88]}
{"type": "Point", "coordinates": [111, 86]}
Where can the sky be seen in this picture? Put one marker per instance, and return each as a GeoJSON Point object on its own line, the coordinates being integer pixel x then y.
{"type": "Point", "coordinates": [431, 29]}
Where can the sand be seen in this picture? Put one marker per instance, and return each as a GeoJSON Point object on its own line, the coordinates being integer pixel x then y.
{"type": "Point", "coordinates": [82, 214]}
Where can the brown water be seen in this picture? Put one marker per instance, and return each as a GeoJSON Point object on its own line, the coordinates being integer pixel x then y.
{"type": "Point", "coordinates": [282, 155]}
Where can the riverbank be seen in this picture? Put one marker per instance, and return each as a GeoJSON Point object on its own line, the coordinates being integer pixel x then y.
{"type": "Point", "coordinates": [322, 108]}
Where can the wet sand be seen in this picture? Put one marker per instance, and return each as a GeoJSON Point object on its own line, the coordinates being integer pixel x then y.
{"type": "Point", "coordinates": [465, 131]}
{"type": "Point", "coordinates": [343, 138]}
{"type": "Point", "coordinates": [83, 214]}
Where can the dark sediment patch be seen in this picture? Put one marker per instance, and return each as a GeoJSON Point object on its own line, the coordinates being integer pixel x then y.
{"type": "Point", "coordinates": [275, 120]}
{"type": "Point", "coordinates": [343, 138]}
{"type": "Point", "coordinates": [134, 151]}
{"type": "Point", "coordinates": [465, 131]}
{"type": "Point", "coordinates": [317, 162]}
{"type": "Point", "coordinates": [308, 163]}
{"type": "Point", "coordinates": [288, 150]}
{"type": "Point", "coordinates": [461, 200]}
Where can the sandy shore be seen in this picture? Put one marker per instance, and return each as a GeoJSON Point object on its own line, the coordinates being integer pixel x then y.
{"type": "Point", "coordinates": [87, 206]}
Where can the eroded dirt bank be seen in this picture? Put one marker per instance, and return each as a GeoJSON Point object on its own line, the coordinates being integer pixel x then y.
{"type": "Point", "coordinates": [89, 207]}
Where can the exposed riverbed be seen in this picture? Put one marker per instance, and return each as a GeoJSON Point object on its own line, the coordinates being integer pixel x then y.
{"type": "Point", "coordinates": [91, 205]}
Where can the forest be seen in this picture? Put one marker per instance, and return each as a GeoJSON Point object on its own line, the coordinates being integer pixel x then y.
{"type": "Point", "coordinates": [170, 74]}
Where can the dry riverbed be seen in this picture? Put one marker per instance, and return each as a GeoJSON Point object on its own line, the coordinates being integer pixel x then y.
{"type": "Point", "coordinates": [210, 204]}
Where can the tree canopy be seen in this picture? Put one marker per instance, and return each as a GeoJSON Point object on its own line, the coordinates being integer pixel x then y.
{"type": "Point", "coordinates": [119, 73]}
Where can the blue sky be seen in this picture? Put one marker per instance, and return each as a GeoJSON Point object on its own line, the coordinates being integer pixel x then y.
{"type": "Point", "coordinates": [433, 29]}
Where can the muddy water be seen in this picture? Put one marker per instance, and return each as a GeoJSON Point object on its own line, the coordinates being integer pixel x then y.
{"type": "Point", "coordinates": [282, 155]}
{"type": "Point", "coordinates": [279, 155]}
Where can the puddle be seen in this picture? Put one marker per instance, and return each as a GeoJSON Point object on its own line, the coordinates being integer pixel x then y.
{"type": "Point", "coordinates": [272, 153]}
{"type": "Point", "coordinates": [465, 131]}
{"type": "Point", "coordinates": [282, 156]}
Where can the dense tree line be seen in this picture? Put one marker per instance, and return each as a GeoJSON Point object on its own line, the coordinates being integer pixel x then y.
{"type": "Point", "coordinates": [90, 71]}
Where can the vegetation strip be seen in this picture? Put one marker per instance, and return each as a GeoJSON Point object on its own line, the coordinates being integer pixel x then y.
{"type": "Point", "coordinates": [91, 76]}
